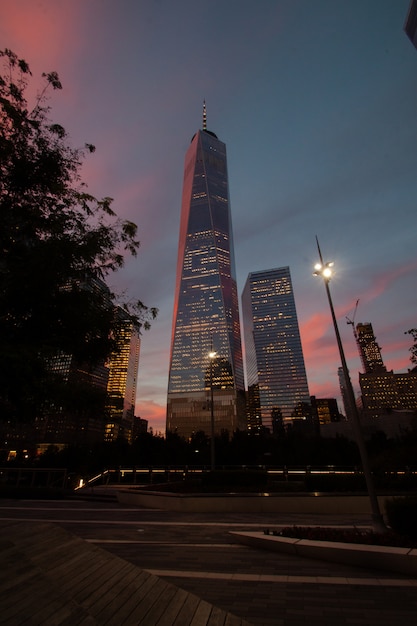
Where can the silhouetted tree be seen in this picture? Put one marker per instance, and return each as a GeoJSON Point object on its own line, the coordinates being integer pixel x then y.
{"type": "Point", "coordinates": [55, 238]}
{"type": "Point", "coordinates": [413, 349]}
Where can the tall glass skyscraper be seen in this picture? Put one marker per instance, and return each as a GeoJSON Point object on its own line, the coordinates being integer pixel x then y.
{"type": "Point", "coordinates": [206, 316]}
{"type": "Point", "coordinates": [275, 370]}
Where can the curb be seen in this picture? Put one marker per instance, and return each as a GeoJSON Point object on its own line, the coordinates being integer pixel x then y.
{"type": "Point", "coordinates": [393, 559]}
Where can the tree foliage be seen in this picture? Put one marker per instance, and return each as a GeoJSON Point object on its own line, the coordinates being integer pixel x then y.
{"type": "Point", "coordinates": [57, 243]}
{"type": "Point", "coordinates": [413, 349]}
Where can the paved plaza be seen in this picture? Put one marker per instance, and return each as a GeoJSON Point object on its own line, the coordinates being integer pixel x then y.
{"type": "Point", "coordinates": [196, 553]}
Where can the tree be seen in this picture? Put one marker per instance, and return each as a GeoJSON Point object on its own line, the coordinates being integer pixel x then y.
{"type": "Point", "coordinates": [57, 244]}
{"type": "Point", "coordinates": [413, 349]}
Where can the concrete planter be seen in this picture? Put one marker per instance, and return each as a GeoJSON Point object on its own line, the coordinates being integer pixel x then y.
{"type": "Point", "coordinates": [331, 504]}
{"type": "Point", "coordinates": [400, 560]}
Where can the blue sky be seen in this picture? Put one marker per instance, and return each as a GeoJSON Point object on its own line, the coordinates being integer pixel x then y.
{"type": "Point", "coordinates": [316, 102]}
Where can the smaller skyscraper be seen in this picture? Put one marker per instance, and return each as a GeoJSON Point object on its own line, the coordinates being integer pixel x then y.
{"type": "Point", "coordinates": [275, 369]}
{"type": "Point", "coordinates": [344, 392]}
{"type": "Point", "coordinates": [121, 387]}
{"type": "Point", "coordinates": [369, 350]}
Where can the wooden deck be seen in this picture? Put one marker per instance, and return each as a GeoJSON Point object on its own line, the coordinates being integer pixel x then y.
{"type": "Point", "coordinates": [49, 576]}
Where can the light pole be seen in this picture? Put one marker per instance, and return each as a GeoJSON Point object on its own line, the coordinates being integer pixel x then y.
{"type": "Point", "coordinates": [212, 355]}
{"type": "Point", "coordinates": [325, 271]}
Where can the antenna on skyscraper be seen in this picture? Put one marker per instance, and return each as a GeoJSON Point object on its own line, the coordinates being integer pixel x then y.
{"type": "Point", "coordinates": [204, 115]}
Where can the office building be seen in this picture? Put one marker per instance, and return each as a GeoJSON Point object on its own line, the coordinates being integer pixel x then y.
{"type": "Point", "coordinates": [206, 316]}
{"type": "Point", "coordinates": [324, 410]}
{"type": "Point", "coordinates": [369, 350]}
{"type": "Point", "coordinates": [275, 368]}
{"type": "Point", "coordinates": [344, 392]}
{"type": "Point", "coordinates": [123, 373]}
{"type": "Point", "coordinates": [384, 392]}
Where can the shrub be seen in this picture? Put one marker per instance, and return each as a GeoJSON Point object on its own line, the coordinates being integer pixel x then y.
{"type": "Point", "coordinates": [345, 535]}
{"type": "Point", "coordinates": [335, 482]}
{"type": "Point", "coordinates": [253, 480]}
{"type": "Point", "coordinates": [402, 515]}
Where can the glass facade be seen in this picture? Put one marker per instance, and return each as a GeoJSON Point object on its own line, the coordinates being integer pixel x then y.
{"type": "Point", "coordinates": [275, 370]}
{"type": "Point", "coordinates": [206, 316]}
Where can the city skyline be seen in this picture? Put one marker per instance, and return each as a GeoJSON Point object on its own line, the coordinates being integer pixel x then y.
{"type": "Point", "coordinates": [316, 103]}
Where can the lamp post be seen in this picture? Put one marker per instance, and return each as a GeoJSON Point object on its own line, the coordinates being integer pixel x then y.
{"type": "Point", "coordinates": [212, 355]}
{"type": "Point", "coordinates": [325, 271]}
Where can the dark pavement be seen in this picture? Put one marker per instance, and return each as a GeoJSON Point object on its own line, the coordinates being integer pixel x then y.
{"type": "Point", "coordinates": [196, 553]}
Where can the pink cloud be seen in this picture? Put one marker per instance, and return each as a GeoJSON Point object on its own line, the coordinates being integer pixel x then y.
{"type": "Point", "coordinates": [39, 30]}
{"type": "Point", "coordinates": [385, 279]}
{"type": "Point", "coordinates": [153, 412]}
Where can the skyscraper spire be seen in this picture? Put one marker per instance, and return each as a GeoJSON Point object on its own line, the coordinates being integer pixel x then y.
{"type": "Point", "coordinates": [204, 116]}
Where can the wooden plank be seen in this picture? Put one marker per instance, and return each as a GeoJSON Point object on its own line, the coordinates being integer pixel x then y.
{"type": "Point", "coordinates": [80, 577]}
{"type": "Point", "coordinates": [217, 617]}
{"type": "Point", "coordinates": [187, 611]}
{"type": "Point", "coordinates": [15, 568]}
{"type": "Point", "coordinates": [16, 571]}
{"type": "Point", "coordinates": [156, 590]}
{"type": "Point", "coordinates": [173, 608]}
{"type": "Point", "coordinates": [70, 566]}
{"type": "Point", "coordinates": [54, 552]}
{"type": "Point", "coordinates": [159, 607]}
{"type": "Point", "coordinates": [97, 584]}
{"type": "Point", "coordinates": [19, 603]}
{"type": "Point", "coordinates": [233, 620]}
{"type": "Point", "coordinates": [108, 594]}
{"type": "Point", "coordinates": [77, 573]}
{"type": "Point", "coordinates": [115, 611]}
{"type": "Point", "coordinates": [124, 613]}
{"type": "Point", "coordinates": [120, 592]}
{"type": "Point", "coordinates": [58, 610]}
{"type": "Point", "coordinates": [34, 536]}
{"type": "Point", "coordinates": [202, 614]}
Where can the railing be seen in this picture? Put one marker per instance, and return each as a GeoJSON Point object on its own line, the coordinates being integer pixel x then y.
{"type": "Point", "coordinates": [34, 477]}
{"type": "Point", "coordinates": [158, 474]}
{"type": "Point", "coordinates": [59, 478]}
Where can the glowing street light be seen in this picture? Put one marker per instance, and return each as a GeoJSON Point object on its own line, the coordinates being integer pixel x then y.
{"type": "Point", "coordinates": [212, 355]}
{"type": "Point", "coordinates": [325, 271]}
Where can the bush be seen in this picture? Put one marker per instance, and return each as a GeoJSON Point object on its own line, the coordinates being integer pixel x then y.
{"type": "Point", "coordinates": [344, 535]}
{"type": "Point", "coordinates": [33, 493]}
{"type": "Point", "coordinates": [335, 482]}
{"type": "Point", "coordinates": [402, 515]}
{"type": "Point", "coordinates": [233, 480]}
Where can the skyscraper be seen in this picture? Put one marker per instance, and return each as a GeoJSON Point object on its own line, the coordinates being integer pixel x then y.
{"type": "Point", "coordinates": [206, 316]}
{"type": "Point", "coordinates": [275, 367]}
{"type": "Point", "coordinates": [121, 387]}
{"type": "Point", "coordinates": [344, 392]}
{"type": "Point", "coordinates": [369, 350]}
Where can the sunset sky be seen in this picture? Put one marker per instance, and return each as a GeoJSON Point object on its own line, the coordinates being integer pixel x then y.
{"type": "Point", "coordinates": [316, 101]}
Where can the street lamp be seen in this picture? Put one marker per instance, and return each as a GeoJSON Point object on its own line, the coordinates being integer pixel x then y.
{"type": "Point", "coordinates": [212, 355]}
{"type": "Point", "coordinates": [325, 271]}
